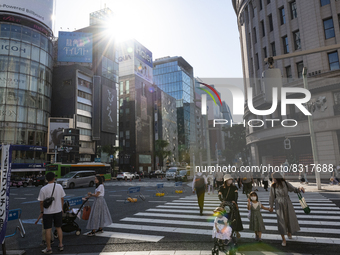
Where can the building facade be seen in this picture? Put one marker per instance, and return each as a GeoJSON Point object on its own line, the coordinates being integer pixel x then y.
{"type": "Point", "coordinates": [26, 54]}
{"type": "Point", "coordinates": [85, 86]}
{"type": "Point", "coordinates": [278, 27]}
{"type": "Point", "coordinates": [174, 76]}
{"type": "Point", "coordinates": [136, 103]}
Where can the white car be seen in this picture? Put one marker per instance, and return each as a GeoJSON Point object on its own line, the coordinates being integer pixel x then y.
{"type": "Point", "coordinates": [125, 176]}
{"type": "Point", "coordinates": [171, 173]}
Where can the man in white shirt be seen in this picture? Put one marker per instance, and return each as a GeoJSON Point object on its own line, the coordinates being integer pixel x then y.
{"type": "Point", "coordinates": [52, 214]}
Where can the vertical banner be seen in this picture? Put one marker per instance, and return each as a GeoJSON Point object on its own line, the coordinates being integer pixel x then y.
{"type": "Point", "coordinates": [97, 88]}
{"type": "Point", "coordinates": [6, 161]}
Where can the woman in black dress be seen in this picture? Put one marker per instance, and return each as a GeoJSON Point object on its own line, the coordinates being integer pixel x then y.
{"type": "Point", "coordinates": [229, 192]}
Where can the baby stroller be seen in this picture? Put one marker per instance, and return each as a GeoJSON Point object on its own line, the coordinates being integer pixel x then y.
{"type": "Point", "coordinates": [69, 217]}
{"type": "Point", "coordinates": [231, 245]}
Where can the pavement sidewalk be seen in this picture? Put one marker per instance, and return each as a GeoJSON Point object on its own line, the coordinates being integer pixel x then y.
{"type": "Point", "coordinates": [312, 187]}
{"type": "Point", "coordinates": [184, 253]}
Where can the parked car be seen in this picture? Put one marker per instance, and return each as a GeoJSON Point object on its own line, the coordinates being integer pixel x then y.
{"type": "Point", "coordinates": [17, 181]}
{"type": "Point", "coordinates": [181, 175]}
{"type": "Point", "coordinates": [77, 179]}
{"type": "Point", "coordinates": [125, 176]}
{"type": "Point", "coordinates": [39, 181]}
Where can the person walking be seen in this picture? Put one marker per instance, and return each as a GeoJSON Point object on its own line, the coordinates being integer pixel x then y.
{"type": "Point", "coordinates": [52, 214]}
{"type": "Point", "coordinates": [247, 182]}
{"type": "Point", "coordinates": [199, 184]}
{"type": "Point", "coordinates": [100, 216]}
{"type": "Point", "coordinates": [218, 179]}
{"type": "Point", "coordinates": [229, 192]}
{"type": "Point", "coordinates": [286, 217]}
{"type": "Point", "coordinates": [265, 180]}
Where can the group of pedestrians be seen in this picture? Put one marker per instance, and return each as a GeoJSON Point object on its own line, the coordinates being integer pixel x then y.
{"type": "Point", "coordinates": [278, 200]}
{"type": "Point", "coordinates": [99, 218]}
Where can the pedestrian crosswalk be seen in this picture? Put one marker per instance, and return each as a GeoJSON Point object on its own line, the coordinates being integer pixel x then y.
{"type": "Point", "coordinates": [181, 216]}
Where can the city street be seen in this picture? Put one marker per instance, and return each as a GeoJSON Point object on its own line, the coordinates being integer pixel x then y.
{"type": "Point", "coordinates": [173, 222]}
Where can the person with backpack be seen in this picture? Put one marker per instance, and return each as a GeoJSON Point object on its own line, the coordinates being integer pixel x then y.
{"type": "Point", "coordinates": [199, 184]}
{"type": "Point", "coordinates": [286, 217]}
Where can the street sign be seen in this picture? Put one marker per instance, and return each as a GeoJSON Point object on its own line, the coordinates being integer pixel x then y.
{"type": "Point", "coordinates": [111, 156]}
{"type": "Point", "coordinates": [97, 159]}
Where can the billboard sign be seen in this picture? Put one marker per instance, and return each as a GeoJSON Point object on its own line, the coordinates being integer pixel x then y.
{"type": "Point", "coordinates": [6, 164]}
{"type": "Point", "coordinates": [126, 58]}
{"type": "Point", "coordinates": [56, 126]}
{"type": "Point", "coordinates": [41, 10]}
{"type": "Point", "coordinates": [143, 62]}
{"type": "Point", "coordinates": [75, 47]}
{"type": "Point", "coordinates": [109, 109]}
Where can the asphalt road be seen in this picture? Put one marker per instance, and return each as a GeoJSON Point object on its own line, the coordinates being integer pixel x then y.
{"type": "Point", "coordinates": [172, 222]}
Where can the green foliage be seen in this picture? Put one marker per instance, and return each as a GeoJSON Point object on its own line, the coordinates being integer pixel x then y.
{"type": "Point", "coordinates": [160, 151]}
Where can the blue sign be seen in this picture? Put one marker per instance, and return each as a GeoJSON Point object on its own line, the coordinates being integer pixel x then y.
{"type": "Point", "coordinates": [143, 54]}
{"type": "Point", "coordinates": [75, 201]}
{"type": "Point", "coordinates": [75, 47]}
{"type": "Point", "coordinates": [97, 160]}
{"type": "Point", "coordinates": [111, 156]}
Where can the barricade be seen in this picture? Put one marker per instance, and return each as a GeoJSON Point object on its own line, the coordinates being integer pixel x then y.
{"type": "Point", "coordinates": [134, 191]}
{"type": "Point", "coordinates": [15, 214]}
{"type": "Point", "coordinates": [179, 187]}
{"type": "Point", "coordinates": [160, 190]}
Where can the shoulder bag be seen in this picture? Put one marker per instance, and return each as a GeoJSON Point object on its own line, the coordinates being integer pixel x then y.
{"type": "Point", "coordinates": [48, 201]}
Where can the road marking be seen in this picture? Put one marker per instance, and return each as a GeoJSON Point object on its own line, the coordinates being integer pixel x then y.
{"type": "Point", "coordinates": [209, 232]}
{"type": "Point", "coordinates": [157, 201]}
{"type": "Point", "coordinates": [273, 215]}
{"type": "Point", "coordinates": [31, 221]}
{"type": "Point", "coordinates": [210, 224]}
{"type": "Point", "coordinates": [138, 237]}
{"type": "Point", "coordinates": [30, 202]}
{"type": "Point", "coordinates": [20, 198]}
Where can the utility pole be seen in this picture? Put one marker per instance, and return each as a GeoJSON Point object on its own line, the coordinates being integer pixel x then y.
{"type": "Point", "coordinates": [312, 134]}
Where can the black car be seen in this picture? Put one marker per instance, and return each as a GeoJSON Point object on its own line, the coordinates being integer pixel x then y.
{"type": "Point", "coordinates": [39, 181]}
{"type": "Point", "coordinates": [182, 175]}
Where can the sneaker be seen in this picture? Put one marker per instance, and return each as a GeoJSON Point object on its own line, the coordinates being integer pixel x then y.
{"type": "Point", "coordinates": [46, 251]}
{"type": "Point", "coordinates": [283, 243]}
{"type": "Point", "coordinates": [91, 233]}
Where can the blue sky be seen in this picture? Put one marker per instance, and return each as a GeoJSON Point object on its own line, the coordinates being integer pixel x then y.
{"type": "Point", "coordinates": [203, 32]}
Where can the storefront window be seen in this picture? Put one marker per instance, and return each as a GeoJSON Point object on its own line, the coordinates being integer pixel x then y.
{"type": "Point", "coordinates": [32, 113]}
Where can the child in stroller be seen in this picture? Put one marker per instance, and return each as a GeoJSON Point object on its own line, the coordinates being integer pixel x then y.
{"type": "Point", "coordinates": [224, 236]}
{"type": "Point", "coordinates": [69, 217]}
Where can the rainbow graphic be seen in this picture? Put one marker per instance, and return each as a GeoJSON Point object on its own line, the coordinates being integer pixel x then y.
{"type": "Point", "coordinates": [208, 92]}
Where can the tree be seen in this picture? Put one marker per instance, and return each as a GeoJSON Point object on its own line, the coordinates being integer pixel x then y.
{"type": "Point", "coordinates": [111, 150]}
{"type": "Point", "coordinates": [235, 143]}
{"type": "Point", "coordinates": [160, 151]}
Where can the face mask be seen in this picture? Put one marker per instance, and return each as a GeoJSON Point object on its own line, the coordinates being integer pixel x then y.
{"type": "Point", "coordinates": [230, 182]}
{"type": "Point", "coordinates": [253, 198]}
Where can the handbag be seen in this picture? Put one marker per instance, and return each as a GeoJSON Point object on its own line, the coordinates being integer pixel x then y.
{"type": "Point", "coordinates": [86, 212]}
{"type": "Point", "coordinates": [303, 203]}
{"type": "Point", "coordinates": [48, 201]}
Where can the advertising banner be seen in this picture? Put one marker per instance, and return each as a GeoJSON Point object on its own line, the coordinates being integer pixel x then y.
{"type": "Point", "coordinates": [41, 10]}
{"type": "Point", "coordinates": [143, 62]}
{"type": "Point", "coordinates": [126, 58]}
{"type": "Point", "coordinates": [6, 161]}
{"type": "Point", "coordinates": [75, 47]}
{"type": "Point", "coordinates": [109, 110]}
{"type": "Point", "coordinates": [56, 127]}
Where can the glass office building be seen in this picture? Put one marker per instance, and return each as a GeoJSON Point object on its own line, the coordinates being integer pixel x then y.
{"type": "Point", "coordinates": [174, 76]}
{"type": "Point", "coordinates": [25, 87]}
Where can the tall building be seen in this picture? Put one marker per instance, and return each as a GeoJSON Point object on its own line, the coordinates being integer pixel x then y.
{"type": "Point", "coordinates": [26, 55]}
{"type": "Point", "coordinates": [174, 75]}
{"type": "Point", "coordinates": [277, 27]}
{"type": "Point", "coordinates": [136, 102]}
{"type": "Point", "coordinates": [165, 118]}
{"type": "Point", "coordinates": [85, 85]}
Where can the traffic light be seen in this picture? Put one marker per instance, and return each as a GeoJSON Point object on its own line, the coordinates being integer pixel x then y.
{"type": "Point", "coordinates": [287, 144]}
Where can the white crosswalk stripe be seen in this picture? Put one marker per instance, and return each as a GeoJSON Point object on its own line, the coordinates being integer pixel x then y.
{"type": "Point", "coordinates": [182, 216]}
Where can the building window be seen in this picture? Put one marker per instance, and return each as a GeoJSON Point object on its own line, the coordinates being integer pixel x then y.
{"type": "Point", "coordinates": [255, 38]}
{"type": "Point", "coordinates": [268, 1]}
{"type": "Point", "coordinates": [253, 11]}
{"type": "Point", "coordinates": [333, 60]}
{"type": "Point", "coordinates": [257, 61]}
{"type": "Point", "coordinates": [270, 19]}
{"type": "Point", "coordinates": [265, 52]}
{"type": "Point", "coordinates": [121, 134]}
{"type": "Point", "coordinates": [84, 95]}
{"type": "Point", "coordinates": [127, 110]}
{"type": "Point", "coordinates": [143, 89]}
{"type": "Point", "coordinates": [127, 134]}
{"type": "Point", "coordinates": [289, 73]}
{"type": "Point", "coordinates": [263, 29]}
{"type": "Point", "coordinates": [329, 28]}
{"type": "Point", "coordinates": [337, 98]}
{"type": "Point", "coordinates": [297, 41]}
{"type": "Point", "coordinates": [324, 2]}
{"type": "Point", "coordinates": [127, 99]}
{"type": "Point", "coordinates": [260, 1]}
{"type": "Point", "coordinates": [282, 15]}
{"type": "Point", "coordinates": [121, 102]}
{"type": "Point", "coordinates": [293, 11]}
{"type": "Point", "coordinates": [127, 87]}
{"type": "Point", "coordinates": [273, 49]}
{"type": "Point", "coordinates": [285, 44]}
{"type": "Point", "coordinates": [121, 88]}
{"type": "Point", "coordinates": [299, 67]}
